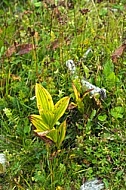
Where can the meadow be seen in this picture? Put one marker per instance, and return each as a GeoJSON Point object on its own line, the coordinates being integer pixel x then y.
{"type": "Point", "coordinates": [37, 38]}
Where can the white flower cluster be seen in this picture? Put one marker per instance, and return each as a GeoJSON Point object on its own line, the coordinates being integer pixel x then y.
{"type": "Point", "coordinates": [94, 89]}
{"type": "Point", "coordinates": [92, 185]}
{"type": "Point", "coordinates": [71, 66]}
{"type": "Point", "coordinates": [2, 163]}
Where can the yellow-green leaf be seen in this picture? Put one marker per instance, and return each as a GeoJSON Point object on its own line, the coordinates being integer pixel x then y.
{"type": "Point", "coordinates": [80, 106]}
{"type": "Point", "coordinates": [60, 107]}
{"type": "Point", "coordinates": [44, 99]}
{"type": "Point", "coordinates": [61, 131]}
{"type": "Point", "coordinates": [38, 123]}
{"type": "Point", "coordinates": [43, 136]}
{"type": "Point", "coordinates": [76, 93]}
{"type": "Point", "coordinates": [52, 135]}
{"type": "Point", "coordinates": [48, 118]}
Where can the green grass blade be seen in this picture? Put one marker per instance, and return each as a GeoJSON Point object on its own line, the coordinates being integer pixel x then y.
{"type": "Point", "coordinates": [61, 131]}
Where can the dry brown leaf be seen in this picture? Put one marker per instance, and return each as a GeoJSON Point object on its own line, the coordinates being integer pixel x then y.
{"type": "Point", "coordinates": [25, 48]}
{"type": "Point", "coordinates": [72, 105]}
{"type": "Point", "coordinates": [21, 49]}
{"type": "Point", "coordinates": [118, 53]}
{"type": "Point", "coordinates": [42, 135]}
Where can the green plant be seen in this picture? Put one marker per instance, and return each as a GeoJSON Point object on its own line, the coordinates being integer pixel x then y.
{"type": "Point", "coordinates": [79, 103]}
{"type": "Point", "coordinates": [49, 115]}
{"type": "Point", "coordinates": [94, 143]}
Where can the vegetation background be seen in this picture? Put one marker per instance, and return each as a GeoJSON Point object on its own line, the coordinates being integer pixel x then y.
{"type": "Point", "coordinates": [36, 40]}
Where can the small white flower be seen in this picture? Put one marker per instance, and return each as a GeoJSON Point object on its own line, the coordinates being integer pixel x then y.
{"type": "Point", "coordinates": [2, 158]}
{"type": "Point", "coordinates": [2, 163]}
{"type": "Point", "coordinates": [71, 66]}
{"type": "Point", "coordinates": [94, 88]}
{"type": "Point", "coordinates": [87, 52]}
{"type": "Point", "coordinates": [92, 185]}
{"type": "Point", "coordinates": [32, 98]}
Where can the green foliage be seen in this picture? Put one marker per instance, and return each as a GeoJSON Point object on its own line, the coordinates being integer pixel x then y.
{"type": "Point", "coordinates": [79, 100]}
{"type": "Point", "coordinates": [49, 116]}
{"type": "Point", "coordinates": [94, 143]}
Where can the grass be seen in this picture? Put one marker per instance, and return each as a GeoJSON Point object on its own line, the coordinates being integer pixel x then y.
{"type": "Point", "coordinates": [95, 140]}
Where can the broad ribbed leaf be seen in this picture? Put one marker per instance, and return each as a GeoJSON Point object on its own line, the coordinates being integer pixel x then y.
{"type": "Point", "coordinates": [48, 118]}
{"type": "Point", "coordinates": [61, 131]}
{"type": "Point", "coordinates": [44, 135]}
{"type": "Point", "coordinates": [60, 107]}
{"type": "Point", "coordinates": [52, 135]}
{"type": "Point", "coordinates": [44, 99]}
{"type": "Point", "coordinates": [38, 123]}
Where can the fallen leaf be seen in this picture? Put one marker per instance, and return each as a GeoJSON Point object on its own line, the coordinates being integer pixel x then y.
{"type": "Point", "coordinates": [11, 50]}
{"type": "Point", "coordinates": [118, 53]}
{"type": "Point", "coordinates": [42, 135]}
{"type": "Point", "coordinates": [72, 105]}
{"type": "Point", "coordinates": [25, 48]}
{"type": "Point", "coordinates": [21, 49]}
